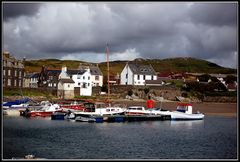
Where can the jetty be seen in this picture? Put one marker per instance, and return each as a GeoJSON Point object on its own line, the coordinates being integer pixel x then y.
{"type": "Point", "coordinates": [131, 118]}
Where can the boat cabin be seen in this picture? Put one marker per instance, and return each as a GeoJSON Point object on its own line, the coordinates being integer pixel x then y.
{"type": "Point", "coordinates": [185, 108]}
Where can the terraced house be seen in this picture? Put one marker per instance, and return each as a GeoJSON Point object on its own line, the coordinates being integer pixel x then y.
{"type": "Point", "coordinates": [13, 71]}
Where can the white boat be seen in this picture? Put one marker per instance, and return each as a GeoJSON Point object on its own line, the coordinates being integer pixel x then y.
{"type": "Point", "coordinates": [136, 110]}
{"type": "Point", "coordinates": [13, 110]}
{"type": "Point", "coordinates": [140, 110]}
{"type": "Point", "coordinates": [85, 118]}
{"type": "Point", "coordinates": [101, 109]}
{"type": "Point", "coordinates": [184, 112]}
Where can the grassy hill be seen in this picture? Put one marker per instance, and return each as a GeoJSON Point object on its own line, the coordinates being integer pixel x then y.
{"type": "Point", "coordinates": [173, 64]}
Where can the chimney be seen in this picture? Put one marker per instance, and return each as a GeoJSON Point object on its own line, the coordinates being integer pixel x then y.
{"type": "Point", "coordinates": [6, 54]}
{"type": "Point", "coordinates": [64, 68]}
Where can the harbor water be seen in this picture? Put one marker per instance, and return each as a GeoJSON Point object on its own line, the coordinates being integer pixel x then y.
{"type": "Point", "coordinates": [212, 138]}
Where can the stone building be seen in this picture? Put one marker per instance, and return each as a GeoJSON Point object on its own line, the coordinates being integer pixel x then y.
{"type": "Point", "coordinates": [13, 71]}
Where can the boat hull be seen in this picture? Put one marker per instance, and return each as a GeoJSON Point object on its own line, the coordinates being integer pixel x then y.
{"type": "Point", "coordinates": [183, 116]}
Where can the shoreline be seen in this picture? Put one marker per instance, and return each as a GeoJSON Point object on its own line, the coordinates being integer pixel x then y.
{"type": "Point", "coordinates": [207, 108]}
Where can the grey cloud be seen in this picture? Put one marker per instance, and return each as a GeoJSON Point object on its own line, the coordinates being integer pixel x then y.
{"type": "Point", "coordinates": [14, 10]}
{"type": "Point", "coordinates": [154, 30]}
{"type": "Point", "coordinates": [214, 13]}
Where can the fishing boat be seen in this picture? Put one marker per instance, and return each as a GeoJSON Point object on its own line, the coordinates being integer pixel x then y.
{"type": "Point", "coordinates": [184, 112]}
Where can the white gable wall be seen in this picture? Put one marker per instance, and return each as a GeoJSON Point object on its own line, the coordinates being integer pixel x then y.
{"type": "Point", "coordinates": [133, 79]}
{"type": "Point", "coordinates": [126, 76]}
{"type": "Point", "coordinates": [98, 82]}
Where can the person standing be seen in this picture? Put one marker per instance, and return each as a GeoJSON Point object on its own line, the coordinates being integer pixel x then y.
{"type": "Point", "coordinates": [150, 103]}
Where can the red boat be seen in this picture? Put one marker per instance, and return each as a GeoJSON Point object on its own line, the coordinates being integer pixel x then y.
{"type": "Point", "coordinates": [73, 105]}
{"type": "Point", "coordinates": [47, 110]}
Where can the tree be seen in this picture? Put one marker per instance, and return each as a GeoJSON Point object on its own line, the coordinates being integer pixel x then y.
{"type": "Point", "coordinates": [204, 78]}
{"type": "Point", "coordinates": [104, 88]}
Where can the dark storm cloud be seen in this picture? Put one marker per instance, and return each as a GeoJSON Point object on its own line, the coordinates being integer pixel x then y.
{"type": "Point", "coordinates": [14, 10]}
{"type": "Point", "coordinates": [214, 13]}
{"type": "Point", "coordinates": [148, 30]}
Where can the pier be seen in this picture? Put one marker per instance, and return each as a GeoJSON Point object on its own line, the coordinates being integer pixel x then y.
{"type": "Point", "coordinates": [132, 118]}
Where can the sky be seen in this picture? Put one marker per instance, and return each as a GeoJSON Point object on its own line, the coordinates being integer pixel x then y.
{"type": "Point", "coordinates": [149, 30]}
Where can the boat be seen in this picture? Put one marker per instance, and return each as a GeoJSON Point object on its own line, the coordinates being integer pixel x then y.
{"type": "Point", "coordinates": [58, 116]}
{"type": "Point", "coordinates": [136, 110]}
{"type": "Point", "coordinates": [85, 118]}
{"type": "Point", "coordinates": [47, 110]}
{"type": "Point", "coordinates": [184, 112]}
{"type": "Point", "coordinates": [101, 109]}
{"type": "Point", "coordinates": [16, 103]}
{"type": "Point", "coordinates": [74, 106]}
{"type": "Point", "coordinates": [140, 110]}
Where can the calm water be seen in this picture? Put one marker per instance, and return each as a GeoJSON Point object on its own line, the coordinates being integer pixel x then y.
{"type": "Point", "coordinates": [211, 138]}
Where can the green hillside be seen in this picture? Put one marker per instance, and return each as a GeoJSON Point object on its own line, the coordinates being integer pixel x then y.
{"type": "Point", "coordinates": [165, 65]}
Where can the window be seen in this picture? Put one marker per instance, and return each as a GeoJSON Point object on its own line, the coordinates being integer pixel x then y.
{"type": "Point", "coordinates": [83, 77]}
{"type": "Point", "coordinates": [144, 77]}
{"type": "Point", "coordinates": [4, 72]}
{"type": "Point", "coordinates": [84, 85]}
{"type": "Point", "coordinates": [138, 77]}
{"type": "Point", "coordinates": [79, 83]}
{"type": "Point", "coordinates": [9, 82]}
{"type": "Point", "coordinates": [88, 84]}
{"type": "Point", "coordinates": [97, 84]}
{"type": "Point", "coordinates": [15, 72]}
{"type": "Point", "coordinates": [68, 85]}
{"type": "Point", "coordinates": [20, 83]}
{"type": "Point", "coordinates": [9, 72]}
{"type": "Point", "coordinates": [152, 77]}
{"type": "Point", "coordinates": [54, 84]}
{"type": "Point", "coordinates": [78, 77]}
{"type": "Point", "coordinates": [15, 83]}
{"type": "Point", "coordinates": [96, 77]}
{"type": "Point", "coordinates": [89, 78]}
{"type": "Point", "coordinates": [126, 76]}
{"type": "Point", "coordinates": [20, 74]}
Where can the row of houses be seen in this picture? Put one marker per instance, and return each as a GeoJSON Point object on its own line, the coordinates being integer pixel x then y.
{"type": "Point", "coordinates": [74, 82]}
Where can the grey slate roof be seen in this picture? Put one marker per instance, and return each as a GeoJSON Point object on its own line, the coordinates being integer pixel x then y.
{"type": "Point", "coordinates": [142, 69]}
{"type": "Point", "coordinates": [72, 72]}
{"type": "Point", "coordinates": [66, 81]}
{"type": "Point", "coordinates": [94, 70]}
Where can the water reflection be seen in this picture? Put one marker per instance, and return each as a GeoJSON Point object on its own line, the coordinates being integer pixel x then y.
{"type": "Point", "coordinates": [189, 124]}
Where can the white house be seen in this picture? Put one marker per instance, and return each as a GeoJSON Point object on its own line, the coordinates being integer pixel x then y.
{"type": "Point", "coordinates": [82, 81]}
{"type": "Point", "coordinates": [96, 75]}
{"type": "Point", "coordinates": [133, 74]}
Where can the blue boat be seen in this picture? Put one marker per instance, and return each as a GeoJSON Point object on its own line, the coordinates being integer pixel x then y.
{"type": "Point", "coordinates": [58, 116]}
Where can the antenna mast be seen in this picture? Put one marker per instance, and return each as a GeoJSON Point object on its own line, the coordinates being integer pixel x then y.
{"type": "Point", "coordinates": [107, 51]}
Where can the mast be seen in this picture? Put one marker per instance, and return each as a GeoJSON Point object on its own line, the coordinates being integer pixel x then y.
{"type": "Point", "coordinates": [107, 51]}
